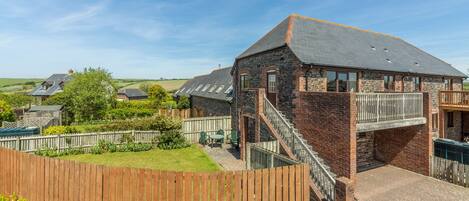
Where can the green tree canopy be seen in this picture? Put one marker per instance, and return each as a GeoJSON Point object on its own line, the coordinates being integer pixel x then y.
{"type": "Point", "coordinates": [6, 113]}
{"type": "Point", "coordinates": [157, 95]}
{"type": "Point", "coordinates": [88, 95]}
{"type": "Point", "coordinates": [184, 103]}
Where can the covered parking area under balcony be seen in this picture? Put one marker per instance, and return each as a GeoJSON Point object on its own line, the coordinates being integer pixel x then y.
{"type": "Point", "coordinates": [393, 128]}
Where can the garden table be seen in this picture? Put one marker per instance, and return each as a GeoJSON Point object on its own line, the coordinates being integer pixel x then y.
{"type": "Point", "coordinates": [216, 138]}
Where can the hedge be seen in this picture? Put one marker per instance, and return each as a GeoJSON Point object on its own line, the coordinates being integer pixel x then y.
{"type": "Point", "coordinates": [158, 123]}
{"type": "Point", "coordinates": [128, 113]}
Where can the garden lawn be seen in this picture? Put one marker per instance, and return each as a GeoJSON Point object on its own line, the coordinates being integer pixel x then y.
{"type": "Point", "coordinates": [191, 159]}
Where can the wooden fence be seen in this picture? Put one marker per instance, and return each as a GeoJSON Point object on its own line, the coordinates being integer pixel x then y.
{"type": "Point", "coordinates": [47, 179]}
{"type": "Point", "coordinates": [181, 113]}
{"type": "Point", "coordinates": [191, 130]}
{"type": "Point", "coordinates": [450, 171]}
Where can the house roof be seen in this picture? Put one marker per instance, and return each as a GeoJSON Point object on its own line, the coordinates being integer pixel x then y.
{"type": "Point", "coordinates": [131, 92]}
{"type": "Point", "coordinates": [54, 82]}
{"type": "Point", "coordinates": [323, 43]}
{"type": "Point", "coordinates": [48, 108]}
{"type": "Point", "coordinates": [216, 85]}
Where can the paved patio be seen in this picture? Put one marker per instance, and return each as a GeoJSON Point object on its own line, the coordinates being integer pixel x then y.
{"type": "Point", "coordinates": [392, 183]}
{"type": "Point", "coordinates": [227, 157]}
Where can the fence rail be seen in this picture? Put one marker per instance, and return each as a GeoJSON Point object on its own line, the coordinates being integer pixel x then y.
{"type": "Point", "coordinates": [450, 171]}
{"type": "Point", "coordinates": [379, 107]}
{"type": "Point", "coordinates": [48, 179]}
{"type": "Point", "coordinates": [454, 98]}
{"type": "Point", "coordinates": [318, 173]}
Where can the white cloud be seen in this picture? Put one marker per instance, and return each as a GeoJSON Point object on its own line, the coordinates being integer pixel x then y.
{"type": "Point", "coordinates": [77, 19]}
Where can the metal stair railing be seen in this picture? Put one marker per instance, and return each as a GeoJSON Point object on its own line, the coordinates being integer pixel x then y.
{"type": "Point", "coordinates": [320, 175]}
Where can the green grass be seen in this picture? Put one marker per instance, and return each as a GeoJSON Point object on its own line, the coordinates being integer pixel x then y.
{"type": "Point", "coordinates": [191, 159]}
{"type": "Point", "coordinates": [14, 85]}
{"type": "Point", "coordinates": [169, 85]}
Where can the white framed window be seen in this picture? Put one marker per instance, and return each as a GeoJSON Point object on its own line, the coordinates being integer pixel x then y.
{"type": "Point", "coordinates": [199, 87]}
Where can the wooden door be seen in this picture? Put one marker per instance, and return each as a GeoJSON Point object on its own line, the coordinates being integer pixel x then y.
{"type": "Point", "coordinates": [272, 88]}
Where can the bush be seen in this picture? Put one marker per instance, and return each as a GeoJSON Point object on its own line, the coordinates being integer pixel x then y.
{"type": "Point", "coordinates": [53, 152]}
{"type": "Point", "coordinates": [13, 197]}
{"type": "Point", "coordinates": [139, 104]}
{"type": "Point", "coordinates": [6, 113]}
{"type": "Point", "coordinates": [158, 123]}
{"type": "Point", "coordinates": [184, 103]}
{"type": "Point", "coordinates": [128, 113]}
{"type": "Point", "coordinates": [170, 104]}
{"type": "Point", "coordinates": [171, 140]}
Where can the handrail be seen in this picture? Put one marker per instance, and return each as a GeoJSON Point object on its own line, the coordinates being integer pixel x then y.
{"type": "Point", "coordinates": [381, 107]}
{"type": "Point", "coordinates": [318, 173]}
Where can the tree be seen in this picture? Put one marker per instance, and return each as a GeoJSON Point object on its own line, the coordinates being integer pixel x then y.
{"type": "Point", "coordinates": [6, 113]}
{"type": "Point", "coordinates": [88, 95]}
{"type": "Point", "coordinates": [157, 95]}
{"type": "Point", "coordinates": [184, 102]}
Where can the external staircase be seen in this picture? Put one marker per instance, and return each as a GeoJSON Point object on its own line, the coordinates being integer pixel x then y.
{"type": "Point", "coordinates": [321, 175]}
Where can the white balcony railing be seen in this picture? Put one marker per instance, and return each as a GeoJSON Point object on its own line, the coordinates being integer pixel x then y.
{"type": "Point", "coordinates": [382, 107]}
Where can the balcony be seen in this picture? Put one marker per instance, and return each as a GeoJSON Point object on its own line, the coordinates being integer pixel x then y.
{"type": "Point", "coordinates": [378, 111]}
{"type": "Point", "coordinates": [457, 100]}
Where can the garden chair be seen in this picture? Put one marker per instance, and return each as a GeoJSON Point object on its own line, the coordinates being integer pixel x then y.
{"type": "Point", "coordinates": [234, 139]}
{"type": "Point", "coordinates": [203, 138]}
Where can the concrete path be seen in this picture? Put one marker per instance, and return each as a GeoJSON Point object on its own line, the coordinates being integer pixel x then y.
{"type": "Point", "coordinates": [227, 157]}
{"type": "Point", "coordinates": [392, 183]}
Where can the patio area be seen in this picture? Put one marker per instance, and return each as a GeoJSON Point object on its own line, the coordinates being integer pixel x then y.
{"type": "Point", "coordinates": [227, 157]}
{"type": "Point", "coordinates": [393, 183]}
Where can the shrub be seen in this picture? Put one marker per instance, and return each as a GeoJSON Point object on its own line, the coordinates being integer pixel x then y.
{"type": "Point", "coordinates": [184, 103]}
{"type": "Point", "coordinates": [171, 140]}
{"type": "Point", "coordinates": [6, 113]}
{"type": "Point", "coordinates": [128, 113]}
{"type": "Point", "coordinates": [158, 123]}
{"type": "Point", "coordinates": [170, 104]}
{"type": "Point", "coordinates": [13, 197]}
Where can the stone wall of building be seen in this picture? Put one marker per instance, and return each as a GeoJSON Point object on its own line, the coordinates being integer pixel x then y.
{"type": "Point", "coordinates": [329, 125]}
{"type": "Point", "coordinates": [407, 147]}
{"type": "Point", "coordinates": [455, 132]}
{"type": "Point", "coordinates": [433, 85]}
{"type": "Point", "coordinates": [314, 80]}
{"type": "Point", "coordinates": [211, 107]}
{"type": "Point", "coordinates": [284, 62]}
{"type": "Point", "coordinates": [370, 81]}
{"type": "Point", "coordinates": [365, 149]}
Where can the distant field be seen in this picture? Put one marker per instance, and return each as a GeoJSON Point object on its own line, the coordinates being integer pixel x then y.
{"type": "Point", "coordinates": [466, 85]}
{"type": "Point", "coordinates": [14, 85]}
{"type": "Point", "coordinates": [11, 85]}
{"type": "Point", "coordinates": [167, 84]}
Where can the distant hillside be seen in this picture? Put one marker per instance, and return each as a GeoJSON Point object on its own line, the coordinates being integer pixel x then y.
{"type": "Point", "coordinates": [15, 85]}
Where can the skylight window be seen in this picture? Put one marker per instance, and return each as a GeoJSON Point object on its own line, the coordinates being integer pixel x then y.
{"type": "Point", "coordinates": [206, 87]}
{"type": "Point", "coordinates": [229, 90]}
{"type": "Point", "coordinates": [389, 60]}
{"type": "Point", "coordinates": [417, 63]}
{"type": "Point", "coordinates": [212, 89]}
{"type": "Point", "coordinates": [182, 90]}
{"type": "Point", "coordinates": [220, 88]}
{"type": "Point", "coordinates": [198, 88]}
{"type": "Point", "coordinates": [386, 50]}
{"type": "Point", "coordinates": [373, 47]}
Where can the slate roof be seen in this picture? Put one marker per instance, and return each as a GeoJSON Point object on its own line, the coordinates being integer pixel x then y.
{"type": "Point", "coordinates": [132, 93]}
{"type": "Point", "coordinates": [48, 108]}
{"type": "Point", "coordinates": [216, 85]}
{"type": "Point", "coordinates": [323, 43]}
{"type": "Point", "coordinates": [54, 82]}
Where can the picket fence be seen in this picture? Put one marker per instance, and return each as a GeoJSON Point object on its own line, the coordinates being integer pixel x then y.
{"type": "Point", "coordinates": [47, 179]}
{"type": "Point", "coordinates": [450, 171]}
{"type": "Point", "coordinates": [191, 130]}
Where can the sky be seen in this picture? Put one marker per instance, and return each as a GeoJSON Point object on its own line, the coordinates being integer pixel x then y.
{"type": "Point", "coordinates": [181, 39]}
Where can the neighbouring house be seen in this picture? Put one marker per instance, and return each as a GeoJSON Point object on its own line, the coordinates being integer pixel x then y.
{"type": "Point", "coordinates": [131, 94]}
{"type": "Point", "coordinates": [357, 98]}
{"type": "Point", "coordinates": [40, 116]}
{"type": "Point", "coordinates": [210, 94]}
{"type": "Point", "coordinates": [52, 85]}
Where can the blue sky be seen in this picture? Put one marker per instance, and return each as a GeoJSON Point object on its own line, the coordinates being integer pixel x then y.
{"type": "Point", "coordinates": [180, 39]}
